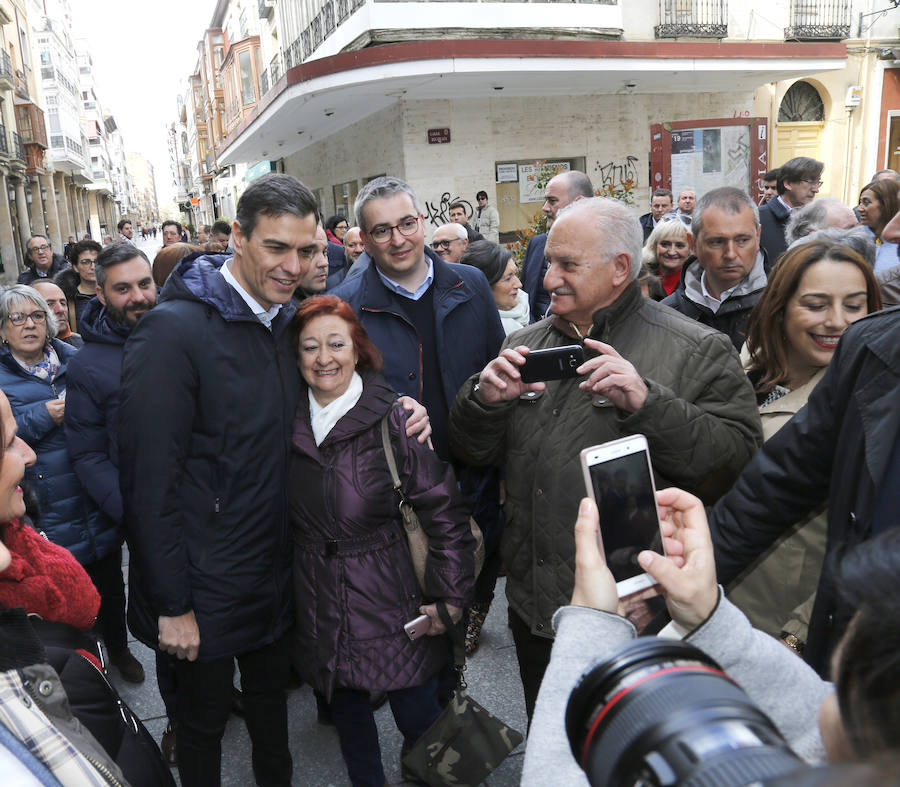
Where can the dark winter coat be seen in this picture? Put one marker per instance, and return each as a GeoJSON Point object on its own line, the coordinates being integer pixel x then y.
{"type": "Point", "coordinates": [773, 218]}
{"type": "Point", "coordinates": [68, 516]}
{"type": "Point", "coordinates": [836, 449]}
{"type": "Point", "coordinates": [700, 420]}
{"type": "Point", "coordinates": [92, 409]}
{"type": "Point", "coordinates": [353, 578]}
{"type": "Point", "coordinates": [533, 277]}
{"type": "Point", "coordinates": [207, 400]}
{"type": "Point", "coordinates": [732, 316]}
{"type": "Point", "coordinates": [30, 273]}
{"type": "Point", "coordinates": [467, 326]}
{"type": "Point", "coordinates": [647, 225]}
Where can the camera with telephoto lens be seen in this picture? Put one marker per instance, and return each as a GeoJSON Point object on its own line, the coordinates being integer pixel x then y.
{"type": "Point", "coordinates": [662, 712]}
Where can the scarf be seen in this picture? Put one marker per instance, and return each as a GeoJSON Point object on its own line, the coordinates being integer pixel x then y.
{"type": "Point", "coordinates": [518, 316]}
{"type": "Point", "coordinates": [46, 580]}
{"type": "Point", "coordinates": [44, 369]}
{"type": "Point", "coordinates": [324, 418]}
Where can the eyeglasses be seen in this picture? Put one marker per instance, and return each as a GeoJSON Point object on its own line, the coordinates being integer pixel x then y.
{"type": "Point", "coordinates": [342, 226]}
{"type": "Point", "coordinates": [85, 262]}
{"type": "Point", "coordinates": [384, 232]}
{"type": "Point", "coordinates": [816, 183]}
{"type": "Point", "coordinates": [43, 247]}
{"type": "Point", "coordinates": [439, 245]}
{"type": "Point", "coordinates": [17, 318]}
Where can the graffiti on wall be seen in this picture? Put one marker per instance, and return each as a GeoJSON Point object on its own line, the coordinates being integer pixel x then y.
{"type": "Point", "coordinates": [615, 172]}
{"type": "Point", "coordinates": [439, 213]}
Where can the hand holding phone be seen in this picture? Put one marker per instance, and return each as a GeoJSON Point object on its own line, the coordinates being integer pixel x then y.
{"type": "Point", "coordinates": [687, 572]}
{"type": "Point", "coordinates": [612, 376]}
{"type": "Point", "coordinates": [501, 380]}
{"type": "Point", "coordinates": [595, 586]}
{"type": "Point", "coordinates": [417, 627]}
{"type": "Point", "coordinates": [619, 478]}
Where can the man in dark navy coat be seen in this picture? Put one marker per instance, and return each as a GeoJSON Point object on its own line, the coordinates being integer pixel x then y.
{"type": "Point", "coordinates": [126, 292]}
{"type": "Point", "coordinates": [209, 393]}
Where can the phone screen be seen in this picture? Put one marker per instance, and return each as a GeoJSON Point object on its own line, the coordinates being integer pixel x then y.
{"type": "Point", "coordinates": [628, 516]}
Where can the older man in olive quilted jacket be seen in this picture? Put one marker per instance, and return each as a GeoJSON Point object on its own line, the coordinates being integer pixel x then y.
{"type": "Point", "coordinates": [649, 370]}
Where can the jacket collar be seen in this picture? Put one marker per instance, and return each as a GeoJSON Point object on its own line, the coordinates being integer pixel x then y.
{"type": "Point", "coordinates": [377, 297]}
{"type": "Point", "coordinates": [606, 319]}
{"type": "Point", "coordinates": [755, 281]}
{"type": "Point", "coordinates": [63, 351]}
{"type": "Point", "coordinates": [96, 325]}
{"type": "Point", "coordinates": [377, 398]}
{"type": "Point", "coordinates": [197, 278]}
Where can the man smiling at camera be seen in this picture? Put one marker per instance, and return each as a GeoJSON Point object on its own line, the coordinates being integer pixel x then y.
{"type": "Point", "coordinates": [648, 371]}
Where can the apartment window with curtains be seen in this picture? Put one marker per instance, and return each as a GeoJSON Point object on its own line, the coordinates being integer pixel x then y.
{"type": "Point", "coordinates": [248, 94]}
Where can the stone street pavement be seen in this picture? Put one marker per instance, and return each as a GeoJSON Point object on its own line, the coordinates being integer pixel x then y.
{"type": "Point", "coordinates": [493, 679]}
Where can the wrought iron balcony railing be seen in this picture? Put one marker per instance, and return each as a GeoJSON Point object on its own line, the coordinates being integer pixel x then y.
{"type": "Point", "coordinates": [818, 20]}
{"type": "Point", "coordinates": [692, 19]}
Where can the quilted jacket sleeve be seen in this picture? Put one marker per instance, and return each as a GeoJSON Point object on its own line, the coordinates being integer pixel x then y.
{"type": "Point", "coordinates": [704, 436]}
{"type": "Point", "coordinates": [87, 440]}
{"type": "Point", "coordinates": [434, 494]}
{"type": "Point", "coordinates": [478, 431]}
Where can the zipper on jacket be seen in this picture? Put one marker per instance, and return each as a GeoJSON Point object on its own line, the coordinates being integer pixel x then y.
{"type": "Point", "coordinates": [105, 772]}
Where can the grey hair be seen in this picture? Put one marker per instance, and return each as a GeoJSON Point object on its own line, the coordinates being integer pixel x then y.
{"type": "Point", "coordinates": [687, 188]}
{"type": "Point", "coordinates": [726, 198]}
{"type": "Point", "coordinates": [11, 295]}
{"type": "Point", "coordinates": [618, 226]}
{"type": "Point", "coordinates": [810, 218]}
{"type": "Point", "coordinates": [857, 238]}
{"type": "Point", "coordinates": [381, 188]}
{"type": "Point", "coordinates": [460, 231]}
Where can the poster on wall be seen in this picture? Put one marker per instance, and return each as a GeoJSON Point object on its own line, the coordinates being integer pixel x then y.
{"type": "Point", "coordinates": [706, 154]}
{"type": "Point", "coordinates": [529, 191]}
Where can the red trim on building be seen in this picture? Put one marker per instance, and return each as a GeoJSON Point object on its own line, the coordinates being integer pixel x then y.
{"type": "Point", "coordinates": [477, 48]}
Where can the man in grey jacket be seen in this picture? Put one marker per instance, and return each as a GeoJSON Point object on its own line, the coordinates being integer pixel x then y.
{"type": "Point", "coordinates": [649, 371]}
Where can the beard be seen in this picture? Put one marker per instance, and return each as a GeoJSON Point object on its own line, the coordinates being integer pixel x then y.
{"type": "Point", "coordinates": [128, 315]}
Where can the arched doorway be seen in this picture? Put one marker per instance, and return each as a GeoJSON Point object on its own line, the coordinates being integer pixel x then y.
{"type": "Point", "coordinates": [801, 118]}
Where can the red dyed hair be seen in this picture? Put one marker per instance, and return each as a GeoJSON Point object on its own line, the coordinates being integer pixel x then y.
{"type": "Point", "coordinates": [327, 305]}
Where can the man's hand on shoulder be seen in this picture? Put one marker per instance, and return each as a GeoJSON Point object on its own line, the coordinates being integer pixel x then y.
{"type": "Point", "coordinates": [418, 424]}
{"type": "Point", "coordinates": [180, 636]}
{"type": "Point", "coordinates": [610, 375]}
{"type": "Point", "coordinates": [500, 380]}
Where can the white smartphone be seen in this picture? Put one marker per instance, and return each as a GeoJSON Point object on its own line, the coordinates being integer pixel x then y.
{"type": "Point", "coordinates": [417, 627]}
{"type": "Point", "coordinates": [619, 477]}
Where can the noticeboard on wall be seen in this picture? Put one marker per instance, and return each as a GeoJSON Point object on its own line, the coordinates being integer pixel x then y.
{"type": "Point", "coordinates": [706, 154]}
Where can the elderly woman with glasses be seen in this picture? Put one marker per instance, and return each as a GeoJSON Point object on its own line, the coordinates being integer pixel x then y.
{"type": "Point", "coordinates": [33, 366]}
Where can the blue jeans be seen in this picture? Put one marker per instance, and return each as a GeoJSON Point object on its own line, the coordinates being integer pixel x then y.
{"type": "Point", "coordinates": [415, 710]}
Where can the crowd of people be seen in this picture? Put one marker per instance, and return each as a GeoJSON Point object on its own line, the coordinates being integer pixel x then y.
{"type": "Point", "coordinates": [237, 410]}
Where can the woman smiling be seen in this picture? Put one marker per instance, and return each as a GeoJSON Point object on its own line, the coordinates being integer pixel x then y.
{"type": "Point", "coordinates": [354, 583]}
{"type": "Point", "coordinates": [817, 291]}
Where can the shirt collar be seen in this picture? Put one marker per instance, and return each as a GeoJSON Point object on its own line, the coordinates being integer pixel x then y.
{"type": "Point", "coordinates": [401, 290]}
{"type": "Point", "coordinates": [787, 207]}
{"type": "Point", "coordinates": [265, 316]}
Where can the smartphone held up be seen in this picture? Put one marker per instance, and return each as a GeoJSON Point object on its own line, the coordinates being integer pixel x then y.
{"type": "Point", "coordinates": [619, 478]}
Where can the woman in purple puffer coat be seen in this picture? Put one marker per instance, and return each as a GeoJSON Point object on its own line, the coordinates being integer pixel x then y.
{"type": "Point", "coordinates": [354, 583]}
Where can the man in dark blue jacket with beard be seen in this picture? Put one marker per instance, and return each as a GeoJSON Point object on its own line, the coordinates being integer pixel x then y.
{"type": "Point", "coordinates": [209, 392]}
{"type": "Point", "coordinates": [125, 292]}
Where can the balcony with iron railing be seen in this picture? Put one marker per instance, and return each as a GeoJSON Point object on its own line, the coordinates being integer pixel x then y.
{"type": "Point", "coordinates": [330, 15]}
{"type": "Point", "coordinates": [4, 142]}
{"type": "Point", "coordinates": [16, 147]}
{"type": "Point", "coordinates": [21, 84]}
{"type": "Point", "coordinates": [818, 20]}
{"type": "Point", "coordinates": [7, 77]}
{"type": "Point", "coordinates": [692, 19]}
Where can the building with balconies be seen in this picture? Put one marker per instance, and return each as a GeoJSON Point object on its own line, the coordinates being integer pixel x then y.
{"type": "Point", "coordinates": [460, 96]}
{"type": "Point", "coordinates": [143, 183]}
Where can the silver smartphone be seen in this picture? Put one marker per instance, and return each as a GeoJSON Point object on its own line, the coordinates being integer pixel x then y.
{"type": "Point", "coordinates": [619, 477]}
{"type": "Point", "coordinates": [416, 627]}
